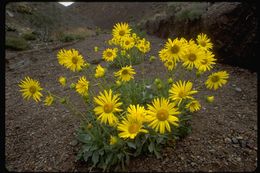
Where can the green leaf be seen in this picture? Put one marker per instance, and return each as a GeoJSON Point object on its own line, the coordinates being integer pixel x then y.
{"type": "Point", "coordinates": [131, 145]}
{"type": "Point", "coordinates": [157, 154]}
{"type": "Point", "coordinates": [151, 147]}
{"type": "Point", "coordinates": [85, 138]}
{"type": "Point", "coordinates": [95, 157]}
{"type": "Point", "coordinates": [87, 155]}
{"type": "Point", "coordinates": [79, 155]}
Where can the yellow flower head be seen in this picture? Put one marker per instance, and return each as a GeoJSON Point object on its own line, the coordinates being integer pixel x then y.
{"type": "Point", "coordinates": [216, 80]}
{"type": "Point", "coordinates": [108, 105]}
{"type": "Point", "coordinates": [210, 99]}
{"type": "Point", "coordinates": [30, 88]}
{"type": "Point", "coordinates": [100, 71]}
{"type": "Point", "coordinates": [181, 90]}
{"type": "Point", "coordinates": [207, 61]}
{"type": "Point", "coordinates": [192, 56]}
{"type": "Point", "coordinates": [48, 100]}
{"type": "Point", "coordinates": [130, 127]}
{"type": "Point", "coordinates": [62, 80]}
{"type": "Point", "coordinates": [109, 54]}
{"type": "Point", "coordinates": [143, 45]}
{"type": "Point", "coordinates": [82, 86]}
{"type": "Point", "coordinates": [161, 114]}
{"type": "Point", "coordinates": [113, 140]}
{"type": "Point", "coordinates": [125, 73]}
{"type": "Point", "coordinates": [204, 42]}
{"type": "Point", "coordinates": [193, 106]}
{"type": "Point", "coordinates": [71, 59]}
{"type": "Point", "coordinates": [127, 43]}
{"type": "Point", "coordinates": [137, 111]}
{"type": "Point", "coordinates": [121, 30]}
{"type": "Point", "coordinates": [170, 65]}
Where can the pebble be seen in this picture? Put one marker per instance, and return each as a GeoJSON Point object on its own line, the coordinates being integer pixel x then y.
{"type": "Point", "coordinates": [234, 140]}
{"type": "Point", "coordinates": [193, 164]}
{"type": "Point", "coordinates": [228, 140]}
{"type": "Point", "coordinates": [243, 143]}
{"type": "Point", "coordinates": [238, 89]}
{"type": "Point", "coordinates": [239, 159]}
{"type": "Point", "coordinates": [74, 143]}
{"type": "Point", "coordinates": [239, 137]}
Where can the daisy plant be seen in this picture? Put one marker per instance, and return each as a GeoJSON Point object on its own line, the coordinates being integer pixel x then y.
{"type": "Point", "coordinates": [127, 112]}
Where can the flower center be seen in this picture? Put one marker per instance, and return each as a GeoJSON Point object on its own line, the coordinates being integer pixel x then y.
{"type": "Point", "coordinates": [162, 115]}
{"type": "Point", "coordinates": [202, 43]}
{"type": "Point", "coordinates": [192, 57]}
{"type": "Point", "coordinates": [182, 94]}
{"type": "Point", "coordinates": [109, 54]}
{"type": "Point", "coordinates": [32, 89]}
{"type": "Point", "coordinates": [204, 61]}
{"type": "Point", "coordinates": [133, 128]}
{"type": "Point", "coordinates": [74, 60]}
{"type": "Point", "coordinates": [127, 42]}
{"type": "Point", "coordinates": [121, 33]}
{"type": "Point", "coordinates": [215, 79]}
{"type": "Point", "coordinates": [169, 63]}
{"type": "Point", "coordinates": [108, 108]}
{"type": "Point", "coordinates": [124, 72]}
{"type": "Point", "coordinates": [175, 49]}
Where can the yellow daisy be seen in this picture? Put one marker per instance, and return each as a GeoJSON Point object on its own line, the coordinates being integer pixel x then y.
{"type": "Point", "coordinates": [121, 30]}
{"type": "Point", "coordinates": [127, 43]}
{"type": "Point", "coordinates": [174, 49]}
{"type": "Point", "coordinates": [130, 127]}
{"type": "Point", "coordinates": [109, 54]}
{"type": "Point", "coordinates": [48, 100]}
{"type": "Point", "coordinates": [170, 65]}
{"type": "Point", "coordinates": [113, 140]}
{"type": "Point", "coordinates": [161, 114]}
{"type": "Point", "coordinates": [62, 80]}
{"type": "Point", "coordinates": [100, 71]}
{"type": "Point", "coordinates": [216, 80]}
{"type": "Point", "coordinates": [137, 111]}
{"type": "Point", "coordinates": [62, 56]}
{"type": "Point", "coordinates": [181, 90]}
{"type": "Point", "coordinates": [108, 105]}
{"type": "Point", "coordinates": [206, 62]}
{"type": "Point", "coordinates": [193, 106]}
{"type": "Point", "coordinates": [204, 42]}
{"type": "Point", "coordinates": [125, 73]}
{"type": "Point", "coordinates": [73, 60]}
{"type": "Point", "coordinates": [192, 56]}
{"type": "Point", "coordinates": [82, 86]}
{"type": "Point", "coordinates": [30, 88]}
{"type": "Point", "coordinates": [143, 46]}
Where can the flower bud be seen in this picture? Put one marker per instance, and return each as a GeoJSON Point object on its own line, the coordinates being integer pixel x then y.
{"type": "Point", "coordinates": [72, 85]}
{"type": "Point", "coordinates": [210, 99]}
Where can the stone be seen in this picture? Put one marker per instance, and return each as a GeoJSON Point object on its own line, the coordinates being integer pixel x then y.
{"type": "Point", "coordinates": [234, 140]}
{"type": "Point", "coordinates": [238, 89]}
{"type": "Point", "coordinates": [228, 140]}
{"type": "Point", "coordinates": [243, 143]}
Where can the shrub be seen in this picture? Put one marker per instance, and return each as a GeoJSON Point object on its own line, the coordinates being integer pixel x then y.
{"type": "Point", "coordinates": [16, 43]}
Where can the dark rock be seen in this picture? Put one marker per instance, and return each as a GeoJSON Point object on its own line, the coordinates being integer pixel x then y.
{"type": "Point", "coordinates": [228, 140]}
{"type": "Point", "coordinates": [243, 143]}
{"type": "Point", "coordinates": [234, 140]}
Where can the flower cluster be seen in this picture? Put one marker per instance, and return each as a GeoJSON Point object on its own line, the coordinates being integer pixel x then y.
{"type": "Point", "coordinates": [127, 115]}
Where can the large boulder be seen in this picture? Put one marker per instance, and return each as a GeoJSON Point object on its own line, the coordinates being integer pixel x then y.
{"type": "Point", "coordinates": [232, 27]}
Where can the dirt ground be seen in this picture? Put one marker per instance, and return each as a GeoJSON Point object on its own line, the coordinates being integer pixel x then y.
{"type": "Point", "coordinates": [40, 138]}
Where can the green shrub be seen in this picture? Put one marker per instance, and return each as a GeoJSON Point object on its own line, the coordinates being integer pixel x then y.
{"type": "Point", "coordinates": [16, 43]}
{"type": "Point", "coordinates": [29, 36]}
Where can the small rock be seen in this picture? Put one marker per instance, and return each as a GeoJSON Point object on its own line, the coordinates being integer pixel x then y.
{"type": "Point", "coordinates": [234, 140]}
{"type": "Point", "coordinates": [243, 143]}
{"type": "Point", "coordinates": [212, 150]}
{"type": "Point", "coordinates": [239, 159]}
{"type": "Point", "coordinates": [238, 89]}
{"type": "Point", "coordinates": [239, 137]}
{"type": "Point", "coordinates": [228, 140]}
{"type": "Point", "coordinates": [193, 164]}
{"type": "Point", "coordinates": [74, 143]}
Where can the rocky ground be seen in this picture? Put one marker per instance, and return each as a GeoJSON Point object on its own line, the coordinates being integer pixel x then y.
{"type": "Point", "coordinates": [40, 138]}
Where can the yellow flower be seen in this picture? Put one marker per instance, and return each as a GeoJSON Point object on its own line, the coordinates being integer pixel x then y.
{"type": "Point", "coordinates": [204, 42]}
{"type": "Point", "coordinates": [121, 30]}
{"type": "Point", "coordinates": [193, 106]}
{"type": "Point", "coordinates": [82, 86]}
{"type": "Point", "coordinates": [62, 80]}
{"type": "Point", "coordinates": [127, 43]}
{"type": "Point", "coordinates": [130, 127]}
{"type": "Point", "coordinates": [210, 99]}
{"type": "Point", "coordinates": [173, 50]}
{"type": "Point", "coordinates": [100, 71]}
{"type": "Point", "coordinates": [30, 88]}
{"type": "Point", "coordinates": [113, 140]}
{"type": "Point", "coordinates": [109, 54]}
{"type": "Point", "coordinates": [48, 100]}
{"type": "Point", "coordinates": [143, 45]}
{"type": "Point", "coordinates": [62, 54]}
{"type": "Point", "coordinates": [125, 73]}
{"type": "Point", "coordinates": [192, 56]}
{"type": "Point", "coordinates": [170, 64]}
{"type": "Point", "coordinates": [161, 114]}
{"type": "Point", "coordinates": [137, 111]}
{"type": "Point", "coordinates": [216, 80]}
{"type": "Point", "coordinates": [181, 90]}
{"type": "Point", "coordinates": [95, 48]}
{"type": "Point", "coordinates": [108, 105]}
{"type": "Point", "coordinates": [206, 62]}
{"type": "Point", "coordinates": [72, 60]}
